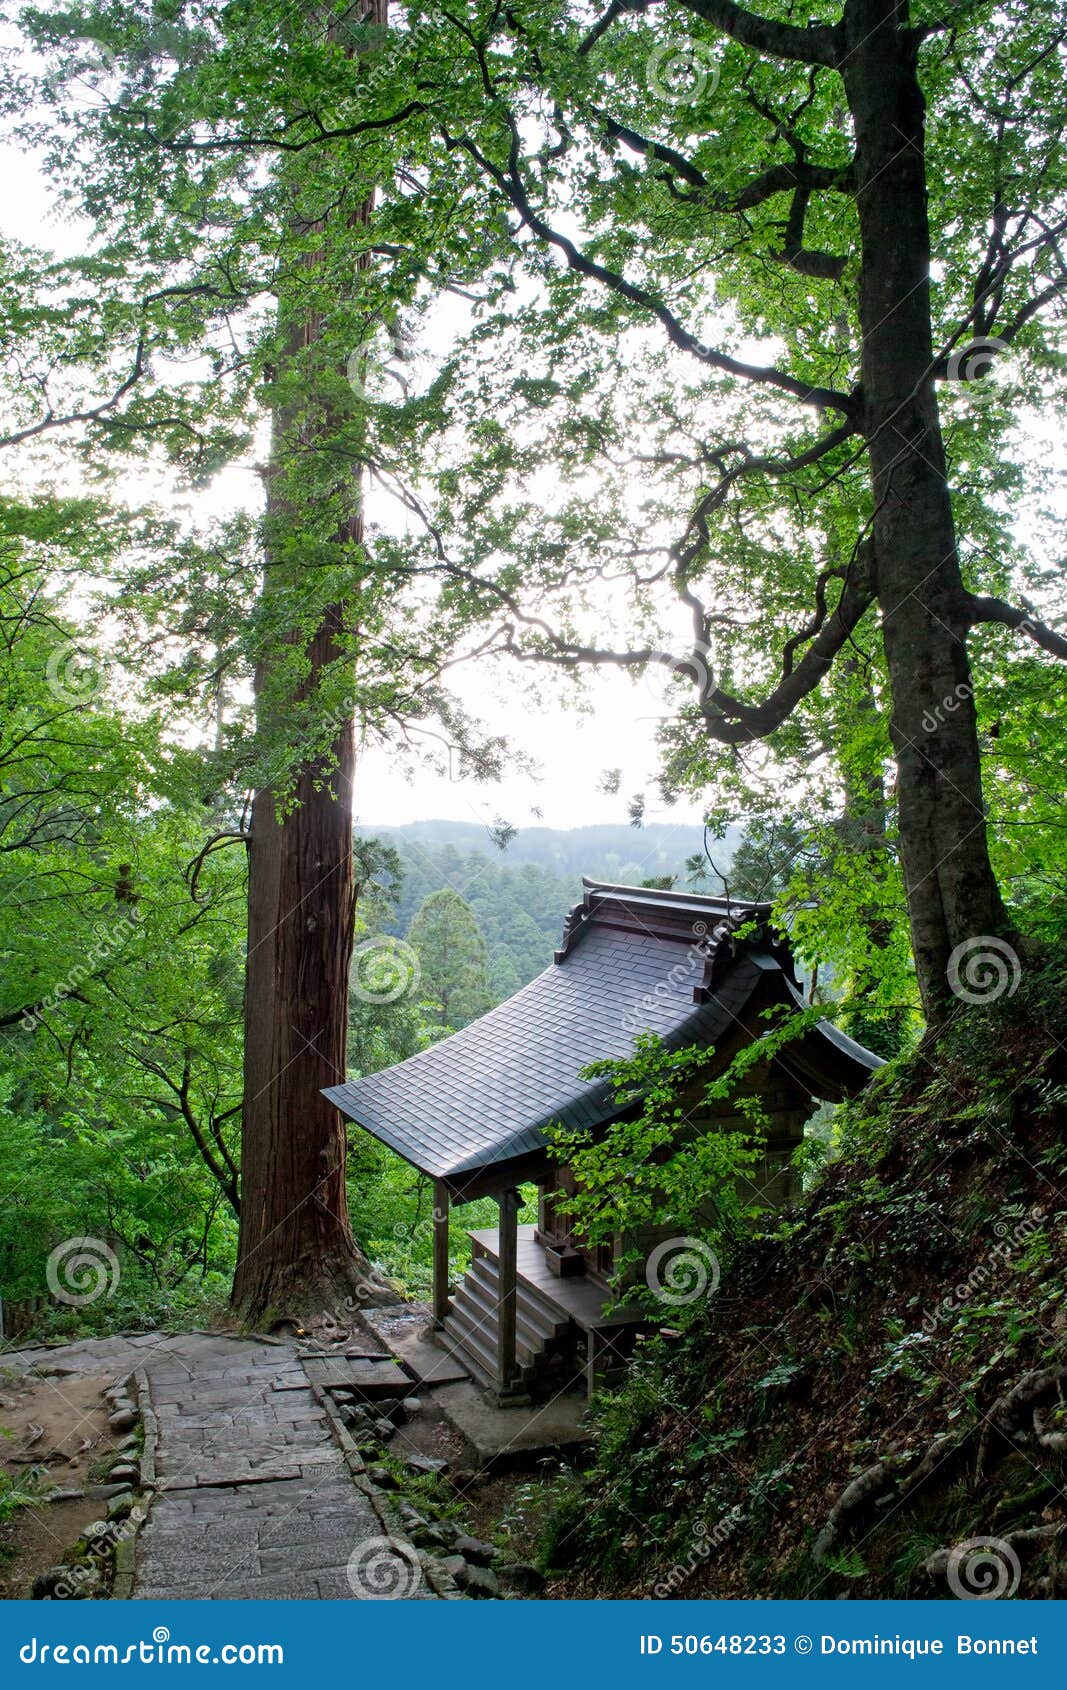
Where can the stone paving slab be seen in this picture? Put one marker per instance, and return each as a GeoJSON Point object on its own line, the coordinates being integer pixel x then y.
{"type": "Point", "coordinates": [255, 1499]}
{"type": "Point", "coordinates": [236, 1465]}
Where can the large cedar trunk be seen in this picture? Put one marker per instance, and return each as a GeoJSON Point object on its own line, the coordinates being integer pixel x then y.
{"type": "Point", "coordinates": [951, 889]}
{"type": "Point", "coordinates": [296, 1252]}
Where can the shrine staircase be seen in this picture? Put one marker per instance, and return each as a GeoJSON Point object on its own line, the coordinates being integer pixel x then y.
{"type": "Point", "coordinates": [544, 1333]}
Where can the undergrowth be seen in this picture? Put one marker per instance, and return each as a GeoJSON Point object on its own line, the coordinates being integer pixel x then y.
{"type": "Point", "coordinates": [878, 1384]}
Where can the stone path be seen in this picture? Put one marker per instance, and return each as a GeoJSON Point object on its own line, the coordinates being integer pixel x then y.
{"type": "Point", "coordinates": [254, 1496]}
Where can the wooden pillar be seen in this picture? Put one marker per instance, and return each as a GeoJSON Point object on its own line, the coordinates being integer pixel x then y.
{"type": "Point", "coordinates": [441, 1304]}
{"type": "Point", "coordinates": [508, 1258]}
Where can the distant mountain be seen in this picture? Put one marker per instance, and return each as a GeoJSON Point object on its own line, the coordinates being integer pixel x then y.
{"type": "Point", "coordinates": [521, 894]}
{"type": "Point", "coordinates": [609, 851]}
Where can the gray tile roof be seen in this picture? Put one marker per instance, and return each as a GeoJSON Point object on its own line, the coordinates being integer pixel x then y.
{"type": "Point", "coordinates": [630, 961]}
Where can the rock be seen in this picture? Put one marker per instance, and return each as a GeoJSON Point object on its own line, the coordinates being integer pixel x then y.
{"type": "Point", "coordinates": [476, 1581]}
{"type": "Point", "coordinates": [124, 1473]}
{"type": "Point", "coordinates": [431, 1537]}
{"type": "Point", "coordinates": [519, 1575]}
{"type": "Point", "coordinates": [383, 1430]}
{"type": "Point", "coordinates": [104, 1493]}
{"type": "Point", "coordinates": [73, 1493]}
{"type": "Point", "coordinates": [123, 1418]}
{"type": "Point", "coordinates": [411, 1516]}
{"type": "Point", "coordinates": [382, 1477]}
{"type": "Point", "coordinates": [412, 1405]}
{"type": "Point", "coordinates": [120, 1506]}
{"type": "Point", "coordinates": [474, 1550]}
{"type": "Point", "coordinates": [391, 1409]}
{"type": "Point", "coordinates": [424, 1463]}
{"type": "Point", "coordinates": [44, 1585]}
{"type": "Point", "coordinates": [130, 1441]}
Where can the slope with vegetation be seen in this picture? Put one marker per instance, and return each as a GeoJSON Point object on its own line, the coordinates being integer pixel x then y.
{"type": "Point", "coordinates": [881, 1380]}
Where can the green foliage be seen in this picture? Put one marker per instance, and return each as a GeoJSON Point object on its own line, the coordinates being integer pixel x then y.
{"type": "Point", "coordinates": [660, 1164]}
{"type": "Point", "coordinates": [451, 951]}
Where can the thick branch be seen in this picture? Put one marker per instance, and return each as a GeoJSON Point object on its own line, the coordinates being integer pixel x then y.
{"type": "Point", "coordinates": [1012, 616]}
{"type": "Point", "coordinates": [821, 44]}
{"type": "Point", "coordinates": [807, 261]}
{"type": "Point", "coordinates": [731, 721]}
{"type": "Point", "coordinates": [511, 185]}
{"type": "Point", "coordinates": [617, 9]}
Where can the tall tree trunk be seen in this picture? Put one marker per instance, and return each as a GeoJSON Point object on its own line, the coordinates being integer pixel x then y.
{"type": "Point", "coordinates": [952, 892]}
{"type": "Point", "coordinates": [296, 1252]}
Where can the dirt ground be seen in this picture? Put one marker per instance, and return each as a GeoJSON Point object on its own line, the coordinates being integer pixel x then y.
{"type": "Point", "coordinates": [52, 1432]}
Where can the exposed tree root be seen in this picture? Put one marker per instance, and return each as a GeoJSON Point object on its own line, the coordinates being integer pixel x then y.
{"type": "Point", "coordinates": [875, 1482]}
{"type": "Point", "coordinates": [1008, 1415]}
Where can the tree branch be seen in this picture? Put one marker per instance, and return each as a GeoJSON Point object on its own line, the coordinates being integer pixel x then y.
{"type": "Point", "coordinates": [512, 187]}
{"type": "Point", "coordinates": [731, 721]}
{"type": "Point", "coordinates": [984, 609]}
{"type": "Point", "coordinates": [820, 44]}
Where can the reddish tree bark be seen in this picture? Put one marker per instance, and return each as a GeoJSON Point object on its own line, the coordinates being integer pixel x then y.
{"type": "Point", "coordinates": [296, 1252]}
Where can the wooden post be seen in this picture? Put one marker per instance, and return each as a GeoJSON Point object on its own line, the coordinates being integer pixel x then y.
{"type": "Point", "coordinates": [441, 1304]}
{"type": "Point", "coordinates": [507, 1383]}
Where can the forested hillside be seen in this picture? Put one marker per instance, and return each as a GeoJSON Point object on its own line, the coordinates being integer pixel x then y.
{"type": "Point", "coordinates": [520, 893]}
{"type": "Point", "coordinates": [376, 379]}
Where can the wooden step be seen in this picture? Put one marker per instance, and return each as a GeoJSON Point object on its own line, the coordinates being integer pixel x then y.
{"type": "Point", "coordinates": [473, 1322]}
{"type": "Point", "coordinates": [478, 1350]}
{"type": "Point", "coordinates": [482, 1291]}
{"type": "Point", "coordinates": [540, 1314]}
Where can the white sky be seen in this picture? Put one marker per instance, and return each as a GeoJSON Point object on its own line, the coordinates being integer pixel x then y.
{"type": "Point", "coordinates": [570, 750]}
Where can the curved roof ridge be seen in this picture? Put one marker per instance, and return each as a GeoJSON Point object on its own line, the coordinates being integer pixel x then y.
{"type": "Point", "coordinates": [680, 896]}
